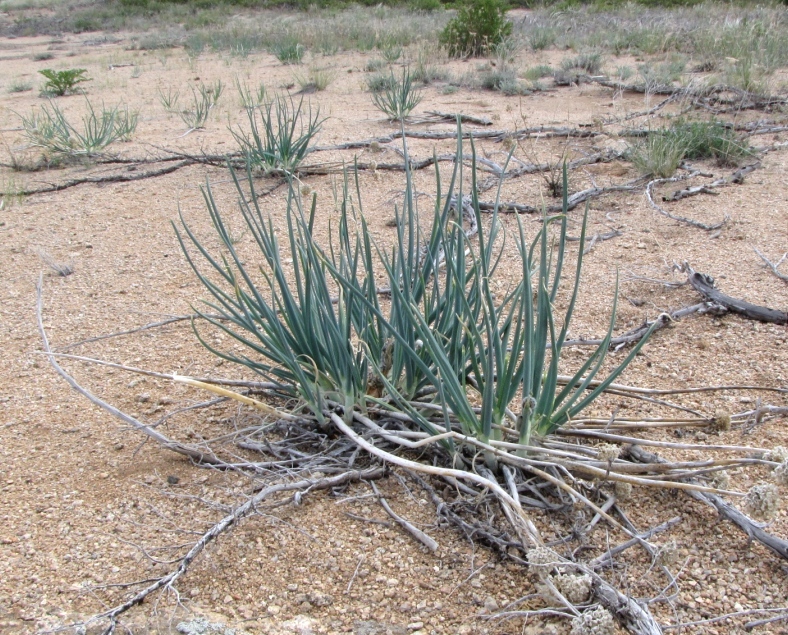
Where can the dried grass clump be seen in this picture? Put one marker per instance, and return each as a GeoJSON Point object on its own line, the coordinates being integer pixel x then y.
{"type": "Point", "coordinates": [721, 421]}
{"type": "Point", "coordinates": [762, 501]}
{"type": "Point", "coordinates": [596, 622]}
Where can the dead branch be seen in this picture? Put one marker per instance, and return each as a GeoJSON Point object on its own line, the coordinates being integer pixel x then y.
{"type": "Point", "coordinates": [303, 486]}
{"type": "Point", "coordinates": [414, 531]}
{"type": "Point", "coordinates": [606, 557]}
{"type": "Point", "coordinates": [774, 266]}
{"type": "Point", "coordinates": [681, 219]}
{"type": "Point", "coordinates": [705, 285]}
{"type": "Point", "coordinates": [636, 334]}
{"type": "Point", "coordinates": [573, 201]}
{"type": "Point", "coordinates": [754, 531]}
{"type": "Point", "coordinates": [115, 178]}
{"type": "Point", "coordinates": [736, 178]}
{"type": "Point", "coordinates": [177, 447]}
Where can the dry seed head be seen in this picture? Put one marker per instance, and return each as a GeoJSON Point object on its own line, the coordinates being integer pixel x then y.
{"type": "Point", "coordinates": [721, 480]}
{"type": "Point", "coordinates": [668, 554]}
{"type": "Point", "coordinates": [306, 190]}
{"type": "Point", "coordinates": [542, 559]}
{"type": "Point", "coordinates": [781, 473]}
{"type": "Point", "coordinates": [575, 588]}
{"type": "Point", "coordinates": [375, 147]}
{"type": "Point", "coordinates": [721, 421]}
{"type": "Point", "coordinates": [762, 501]}
{"type": "Point", "coordinates": [596, 622]}
{"type": "Point", "coordinates": [623, 490]}
{"type": "Point", "coordinates": [607, 451]}
{"type": "Point", "coordinates": [778, 454]}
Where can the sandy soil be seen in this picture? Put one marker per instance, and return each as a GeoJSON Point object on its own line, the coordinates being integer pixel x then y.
{"type": "Point", "coordinates": [86, 507]}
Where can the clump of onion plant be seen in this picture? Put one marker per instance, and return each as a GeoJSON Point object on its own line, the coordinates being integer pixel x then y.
{"type": "Point", "coordinates": [445, 350]}
{"type": "Point", "coordinates": [281, 133]}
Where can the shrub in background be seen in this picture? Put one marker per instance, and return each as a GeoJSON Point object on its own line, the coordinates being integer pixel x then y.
{"type": "Point", "coordinates": [478, 26]}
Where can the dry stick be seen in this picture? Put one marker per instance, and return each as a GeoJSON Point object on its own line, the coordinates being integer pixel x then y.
{"type": "Point", "coordinates": [736, 178]}
{"type": "Point", "coordinates": [179, 448]}
{"type": "Point", "coordinates": [636, 334]}
{"type": "Point", "coordinates": [779, 618]}
{"type": "Point", "coordinates": [778, 545]}
{"type": "Point", "coordinates": [573, 201]}
{"type": "Point", "coordinates": [524, 527]}
{"type": "Point", "coordinates": [704, 284]}
{"type": "Point", "coordinates": [414, 531]}
{"type": "Point", "coordinates": [117, 178]}
{"type": "Point", "coordinates": [305, 486]}
{"type": "Point", "coordinates": [675, 217]}
{"type": "Point", "coordinates": [151, 325]}
{"type": "Point", "coordinates": [774, 267]}
{"type": "Point", "coordinates": [722, 618]}
{"type": "Point", "coordinates": [608, 555]}
{"type": "Point", "coordinates": [564, 379]}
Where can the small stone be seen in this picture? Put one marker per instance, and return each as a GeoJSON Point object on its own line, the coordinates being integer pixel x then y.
{"type": "Point", "coordinates": [491, 604]}
{"type": "Point", "coordinates": [228, 599]}
{"type": "Point", "coordinates": [273, 609]}
{"type": "Point", "coordinates": [414, 626]}
{"type": "Point", "coordinates": [173, 480]}
{"type": "Point", "coordinates": [144, 397]}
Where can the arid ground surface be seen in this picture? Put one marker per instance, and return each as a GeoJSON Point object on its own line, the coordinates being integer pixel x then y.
{"type": "Point", "coordinates": [87, 508]}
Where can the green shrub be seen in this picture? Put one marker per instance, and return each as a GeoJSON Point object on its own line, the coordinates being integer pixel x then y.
{"type": "Point", "coordinates": [61, 83]}
{"type": "Point", "coordinates": [478, 26]}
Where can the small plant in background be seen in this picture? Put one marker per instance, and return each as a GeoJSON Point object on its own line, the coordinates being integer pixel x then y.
{"type": "Point", "coordinates": [317, 79]}
{"type": "Point", "coordinates": [504, 81]}
{"type": "Point", "coordinates": [61, 83]}
{"type": "Point", "coordinates": [289, 52]}
{"type": "Point", "coordinates": [390, 52]}
{"type": "Point", "coordinates": [399, 98]}
{"type": "Point", "coordinates": [204, 98]}
{"type": "Point", "coordinates": [250, 98]}
{"type": "Point", "coordinates": [169, 99]}
{"type": "Point", "coordinates": [379, 82]}
{"type": "Point", "coordinates": [282, 138]}
{"type": "Point", "coordinates": [745, 75]}
{"type": "Point", "coordinates": [20, 86]}
{"type": "Point", "coordinates": [50, 130]}
{"type": "Point", "coordinates": [538, 72]}
{"type": "Point", "coordinates": [478, 27]}
{"type": "Point", "coordinates": [374, 65]}
{"type": "Point", "coordinates": [44, 55]}
{"type": "Point", "coordinates": [663, 150]}
{"type": "Point", "coordinates": [541, 37]}
{"type": "Point", "coordinates": [590, 63]}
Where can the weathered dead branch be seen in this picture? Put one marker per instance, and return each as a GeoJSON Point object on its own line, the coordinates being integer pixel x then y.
{"type": "Point", "coordinates": [774, 267]}
{"type": "Point", "coordinates": [681, 219]}
{"type": "Point", "coordinates": [736, 178]}
{"type": "Point", "coordinates": [754, 531]}
{"type": "Point", "coordinates": [705, 285]}
{"type": "Point", "coordinates": [303, 486]}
